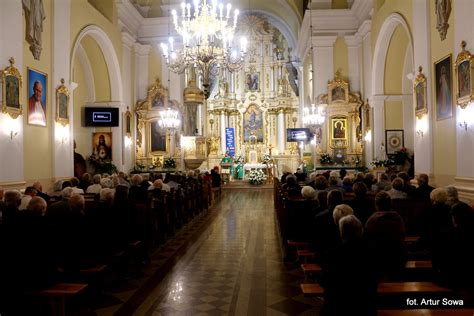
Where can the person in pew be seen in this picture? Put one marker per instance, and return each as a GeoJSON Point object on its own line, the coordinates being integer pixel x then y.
{"type": "Point", "coordinates": [320, 183]}
{"type": "Point", "coordinates": [342, 173]}
{"type": "Point", "coordinates": [396, 192]}
{"type": "Point", "coordinates": [291, 186]}
{"type": "Point", "coordinates": [122, 179]}
{"type": "Point", "coordinates": [308, 193]}
{"type": "Point", "coordinates": [326, 234]}
{"type": "Point", "coordinates": [424, 189]}
{"type": "Point", "coordinates": [171, 180]}
{"type": "Point", "coordinates": [86, 181]}
{"type": "Point", "coordinates": [29, 193]}
{"type": "Point", "coordinates": [408, 188]}
{"type": "Point", "coordinates": [361, 205]}
{"type": "Point", "coordinates": [39, 191]}
{"type": "Point", "coordinates": [348, 278]}
{"type": "Point", "coordinates": [322, 197]}
{"type": "Point", "coordinates": [340, 211]}
{"type": "Point", "coordinates": [385, 235]}
{"type": "Point", "coordinates": [347, 184]}
{"type": "Point", "coordinates": [216, 177]}
{"type": "Point", "coordinates": [370, 181]}
{"type": "Point", "coordinates": [452, 255]}
{"type": "Point", "coordinates": [95, 187]}
{"type": "Point", "coordinates": [333, 183]}
{"type": "Point", "coordinates": [75, 186]}
{"type": "Point", "coordinates": [11, 209]}
{"type": "Point", "coordinates": [283, 177]}
{"type": "Point", "coordinates": [159, 185]}
{"type": "Point", "coordinates": [453, 197]}
{"type": "Point", "coordinates": [435, 219]}
{"type": "Point", "coordinates": [138, 192]}
{"type": "Point", "coordinates": [300, 175]}
{"type": "Point", "coordinates": [383, 184]}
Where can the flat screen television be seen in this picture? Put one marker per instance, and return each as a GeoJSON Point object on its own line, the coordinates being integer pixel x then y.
{"type": "Point", "coordinates": [101, 116]}
{"type": "Point", "coordinates": [297, 134]}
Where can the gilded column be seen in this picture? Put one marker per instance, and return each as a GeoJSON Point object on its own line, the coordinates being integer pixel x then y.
{"type": "Point", "coordinates": [281, 132]}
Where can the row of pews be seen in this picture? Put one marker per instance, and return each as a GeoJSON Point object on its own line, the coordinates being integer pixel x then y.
{"type": "Point", "coordinates": [158, 217]}
{"type": "Point", "coordinates": [417, 281]}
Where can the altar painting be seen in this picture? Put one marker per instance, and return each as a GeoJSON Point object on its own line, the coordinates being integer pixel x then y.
{"type": "Point", "coordinates": [253, 123]}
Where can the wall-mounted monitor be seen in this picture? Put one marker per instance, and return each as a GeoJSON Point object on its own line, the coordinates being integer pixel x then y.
{"type": "Point", "coordinates": [297, 134]}
{"type": "Point", "coordinates": [101, 116]}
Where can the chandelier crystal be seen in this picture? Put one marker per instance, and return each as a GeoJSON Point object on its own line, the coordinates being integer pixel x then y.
{"type": "Point", "coordinates": [313, 116]}
{"type": "Point", "coordinates": [207, 32]}
{"type": "Point", "coordinates": [169, 119]}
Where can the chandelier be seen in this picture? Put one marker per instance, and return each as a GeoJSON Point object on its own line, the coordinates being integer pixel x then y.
{"type": "Point", "coordinates": [169, 119]}
{"type": "Point", "coordinates": [313, 116]}
{"type": "Point", "coordinates": [207, 32]}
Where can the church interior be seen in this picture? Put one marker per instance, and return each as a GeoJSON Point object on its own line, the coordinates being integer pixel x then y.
{"type": "Point", "coordinates": [150, 138]}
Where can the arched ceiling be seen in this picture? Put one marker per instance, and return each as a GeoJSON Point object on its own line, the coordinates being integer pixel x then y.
{"type": "Point", "coordinates": [290, 12]}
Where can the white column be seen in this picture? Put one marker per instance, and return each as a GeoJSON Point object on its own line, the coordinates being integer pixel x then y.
{"type": "Point", "coordinates": [222, 126]}
{"type": "Point", "coordinates": [128, 152]}
{"type": "Point", "coordinates": [142, 53]}
{"type": "Point", "coordinates": [171, 135]}
{"type": "Point", "coordinates": [11, 45]}
{"type": "Point", "coordinates": [323, 63]}
{"type": "Point", "coordinates": [378, 130]}
{"type": "Point", "coordinates": [199, 119]}
{"type": "Point", "coordinates": [365, 59]}
{"type": "Point", "coordinates": [63, 159]}
{"type": "Point", "coordinates": [422, 57]}
{"type": "Point", "coordinates": [281, 132]}
{"type": "Point", "coordinates": [354, 47]}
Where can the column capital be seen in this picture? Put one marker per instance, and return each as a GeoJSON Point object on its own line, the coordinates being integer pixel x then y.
{"type": "Point", "coordinates": [365, 28]}
{"type": "Point", "coordinates": [353, 40]}
{"type": "Point", "coordinates": [323, 41]}
{"type": "Point", "coordinates": [143, 50]}
{"type": "Point", "coordinates": [128, 40]}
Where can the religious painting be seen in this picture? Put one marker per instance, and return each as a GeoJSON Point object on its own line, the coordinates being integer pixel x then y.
{"type": "Point", "coordinates": [419, 91]}
{"type": "Point", "coordinates": [62, 102]}
{"type": "Point", "coordinates": [394, 141]}
{"type": "Point", "coordinates": [157, 137]}
{"type": "Point", "coordinates": [11, 84]}
{"type": "Point", "coordinates": [338, 94]}
{"type": "Point", "coordinates": [157, 96]}
{"type": "Point", "coordinates": [128, 123]}
{"type": "Point", "coordinates": [464, 73]}
{"type": "Point", "coordinates": [253, 124]}
{"type": "Point", "coordinates": [443, 88]}
{"type": "Point", "coordinates": [37, 92]}
{"type": "Point", "coordinates": [158, 161]}
{"type": "Point", "coordinates": [102, 145]}
{"type": "Point", "coordinates": [252, 81]}
{"type": "Point", "coordinates": [339, 128]}
{"type": "Point", "coordinates": [339, 155]}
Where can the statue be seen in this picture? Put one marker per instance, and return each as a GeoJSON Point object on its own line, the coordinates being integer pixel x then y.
{"type": "Point", "coordinates": [213, 143]}
{"type": "Point", "coordinates": [223, 88]}
{"type": "Point", "coordinates": [442, 10]}
{"type": "Point", "coordinates": [34, 17]}
{"type": "Point", "coordinates": [383, 154]}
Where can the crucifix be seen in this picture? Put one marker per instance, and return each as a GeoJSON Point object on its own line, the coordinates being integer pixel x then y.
{"type": "Point", "coordinates": [270, 147]}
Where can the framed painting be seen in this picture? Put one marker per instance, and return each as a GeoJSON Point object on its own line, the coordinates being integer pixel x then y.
{"type": "Point", "coordinates": [419, 93]}
{"type": "Point", "coordinates": [464, 76]}
{"type": "Point", "coordinates": [339, 128]}
{"type": "Point", "coordinates": [443, 88]}
{"type": "Point", "coordinates": [37, 97]}
{"type": "Point", "coordinates": [62, 104]}
{"type": "Point", "coordinates": [252, 81]}
{"type": "Point", "coordinates": [394, 140]}
{"type": "Point", "coordinates": [253, 124]}
{"type": "Point", "coordinates": [11, 85]}
{"type": "Point", "coordinates": [157, 138]}
{"type": "Point", "coordinates": [338, 89]}
{"type": "Point", "coordinates": [128, 123]}
{"type": "Point", "coordinates": [102, 145]}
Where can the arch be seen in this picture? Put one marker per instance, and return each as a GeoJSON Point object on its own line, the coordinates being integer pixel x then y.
{"type": "Point", "coordinates": [381, 49]}
{"type": "Point", "coordinates": [108, 50]}
{"type": "Point", "coordinates": [280, 24]}
{"type": "Point", "coordinates": [86, 66]}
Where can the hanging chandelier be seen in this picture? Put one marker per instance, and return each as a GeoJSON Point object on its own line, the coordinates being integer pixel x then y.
{"type": "Point", "coordinates": [313, 116]}
{"type": "Point", "coordinates": [207, 32]}
{"type": "Point", "coordinates": [169, 119]}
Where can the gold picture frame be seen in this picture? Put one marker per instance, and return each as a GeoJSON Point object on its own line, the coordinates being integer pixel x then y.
{"type": "Point", "coordinates": [252, 81]}
{"type": "Point", "coordinates": [443, 87]}
{"type": "Point", "coordinates": [11, 86]}
{"type": "Point", "coordinates": [128, 123]}
{"type": "Point", "coordinates": [464, 75]}
{"type": "Point", "coordinates": [62, 104]}
{"type": "Point", "coordinates": [419, 94]}
{"type": "Point", "coordinates": [158, 140]}
{"type": "Point", "coordinates": [338, 90]}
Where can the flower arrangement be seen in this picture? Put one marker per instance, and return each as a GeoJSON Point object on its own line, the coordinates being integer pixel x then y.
{"type": "Point", "coordinates": [139, 166]}
{"type": "Point", "coordinates": [267, 159]}
{"type": "Point", "coordinates": [400, 156]}
{"type": "Point", "coordinates": [169, 163]}
{"type": "Point", "coordinates": [356, 160]}
{"type": "Point", "coordinates": [325, 159]}
{"type": "Point", "coordinates": [238, 159]}
{"type": "Point", "coordinates": [382, 163]}
{"type": "Point", "coordinates": [102, 166]}
{"type": "Point", "coordinates": [256, 176]}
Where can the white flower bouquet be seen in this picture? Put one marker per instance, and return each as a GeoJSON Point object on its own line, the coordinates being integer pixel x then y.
{"type": "Point", "coordinates": [256, 176]}
{"type": "Point", "coordinates": [267, 159]}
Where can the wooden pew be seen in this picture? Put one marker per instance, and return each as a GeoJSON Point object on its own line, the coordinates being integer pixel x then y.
{"type": "Point", "coordinates": [57, 295]}
{"type": "Point", "coordinates": [388, 288]}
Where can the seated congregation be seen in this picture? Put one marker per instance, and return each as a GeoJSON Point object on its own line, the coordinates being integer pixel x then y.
{"type": "Point", "coordinates": [88, 228]}
{"type": "Point", "coordinates": [368, 246]}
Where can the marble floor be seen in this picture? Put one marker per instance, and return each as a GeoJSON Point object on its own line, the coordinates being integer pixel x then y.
{"type": "Point", "coordinates": [233, 267]}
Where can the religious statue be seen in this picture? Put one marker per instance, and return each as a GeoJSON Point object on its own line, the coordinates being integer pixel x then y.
{"type": "Point", "coordinates": [383, 154]}
{"type": "Point", "coordinates": [34, 17]}
{"type": "Point", "coordinates": [442, 10]}
{"type": "Point", "coordinates": [213, 143]}
{"type": "Point", "coordinates": [223, 88]}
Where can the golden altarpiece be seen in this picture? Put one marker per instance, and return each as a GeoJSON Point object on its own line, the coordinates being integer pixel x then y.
{"type": "Point", "coordinates": [341, 136]}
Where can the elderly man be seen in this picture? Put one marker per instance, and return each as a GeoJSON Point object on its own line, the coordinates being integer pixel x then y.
{"type": "Point", "coordinates": [39, 190]}
{"type": "Point", "coordinates": [11, 209]}
{"type": "Point", "coordinates": [424, 189]}
{"type": "Point", "coordinates": [37, 206]}
{"type": "Point", "coordinates": [29, 193]}
{"type": "Point", "coordinates": [95, 187]}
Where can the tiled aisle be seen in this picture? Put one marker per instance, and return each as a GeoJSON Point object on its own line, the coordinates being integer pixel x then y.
{"type": "Point", "coordinates": [234, 267]}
